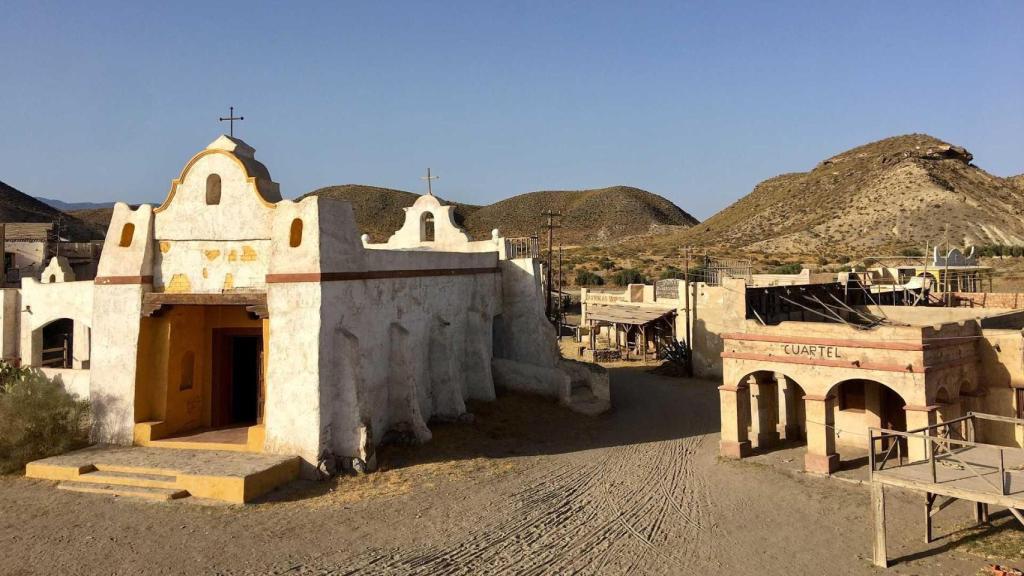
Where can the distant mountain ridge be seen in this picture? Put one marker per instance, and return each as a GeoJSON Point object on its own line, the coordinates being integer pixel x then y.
{"type": "Point", "coordinates": [16, 206]}
{"type": "Point", "coordinates": [588, 216]}
{"type": "Point", "coordinates": [885, 196]}
{"type": "Point", "coordinates": [69, 206]}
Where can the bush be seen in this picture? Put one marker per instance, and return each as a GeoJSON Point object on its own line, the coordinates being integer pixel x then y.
{"type": "Point", "coordinates": [671, 273]}
{"type": "Point", "coordinates": [628, 276]}
{"type": "Point", "coordinates": [606, 263]}
{"type": "Point", "coordinates": [38, 418]}
{"type": "Point", "coordinates": [794, 268]}
{"type": "Point", "coordinates": [588, 278]}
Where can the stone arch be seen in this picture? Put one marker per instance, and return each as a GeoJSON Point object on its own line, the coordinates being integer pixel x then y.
{"type": "Point", "coordinates": [427, 228]}
{"type": "Point", "coordinates": [879, 405]}
{"type": "Point", "coordinates": [772, 408]}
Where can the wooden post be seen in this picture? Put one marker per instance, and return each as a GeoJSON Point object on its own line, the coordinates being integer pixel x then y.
{"type": "Point", "coordinates": [643, 342]}
{"type": "Point", "coordinates": [981, 513]}
{"type": "Point", "coordinates": [1002, 473]}
{"type": "Point", "coordinates": [929, 499]}
{"type": "Point", "coordinates": [931, 457]}
{"type": "Point", "coordinates": [878, 514]}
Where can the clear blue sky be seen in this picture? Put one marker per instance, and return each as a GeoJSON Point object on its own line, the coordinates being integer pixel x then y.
{"type": "Point", "coordinates": [694, 101]}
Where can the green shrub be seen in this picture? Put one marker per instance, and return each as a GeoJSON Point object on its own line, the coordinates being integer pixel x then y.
{"type": "Point", "coordinates": [588, 278]}
{"type": "Point", "coordinates": [794, 268]}
{"type": "Point", "coordinates": [606, 263]}
{"type": "Point", "coordinates": [38, 418]}
{"type": "Point", "coordinates": [628, 276]}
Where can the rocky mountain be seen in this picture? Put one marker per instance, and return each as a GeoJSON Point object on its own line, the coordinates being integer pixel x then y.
{"type": "Point", "coordinates": [881, 197]}
{"type": "Point", "coordinates": [588, 216]}
{"type": "Point", "coordinates": [16, 206]}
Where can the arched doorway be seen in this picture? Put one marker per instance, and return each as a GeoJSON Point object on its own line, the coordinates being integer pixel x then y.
{"type": "Point", "coordinates": [57, 346]}
{"type": "Point", "coordinates": [860, 404]}
{"type": "Point", "coordinates": [774, 408]}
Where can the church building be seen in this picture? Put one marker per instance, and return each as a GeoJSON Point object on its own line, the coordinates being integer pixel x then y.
{"type": "Point", "coordinates": [232, 319]}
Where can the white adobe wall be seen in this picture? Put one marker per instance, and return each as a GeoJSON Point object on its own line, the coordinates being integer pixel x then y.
{"type": "Point", "coordinates": [117, 307]}
{"type": "Point", "coordinates": [10, 321]}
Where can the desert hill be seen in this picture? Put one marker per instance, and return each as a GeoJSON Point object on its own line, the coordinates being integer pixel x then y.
{"type": "Point", "coordinates": [379, 210]}
{"type": "Point", "coordinates": [588, 216]}
{"type": "Point", "coordinates": [881, 197]}
{"type": "Point", "coordinates": [16, 206]}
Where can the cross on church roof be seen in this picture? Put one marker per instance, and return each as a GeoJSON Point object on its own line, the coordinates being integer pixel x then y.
{"type": "Point", "coordinates": [231, 121]}
{"type": "Point", "coordinates": [429, 179]}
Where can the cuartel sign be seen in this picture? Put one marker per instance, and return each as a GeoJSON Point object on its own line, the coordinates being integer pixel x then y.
{"type": "Point", "coordinates": [811, 350]}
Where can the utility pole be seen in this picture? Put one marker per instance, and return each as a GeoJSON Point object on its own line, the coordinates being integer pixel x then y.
{"type": "Point", "coordinates": [561, 309]}
{"type": "Point", "coordinates": [551, 229]}
{"type": "Point", "coordinates": [686, 305]}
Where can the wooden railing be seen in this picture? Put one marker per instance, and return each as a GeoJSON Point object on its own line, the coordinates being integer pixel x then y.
{"type": "Point", "coordinates": [945, 441]}
{"type": "Point", "coordinates": [57, 357]}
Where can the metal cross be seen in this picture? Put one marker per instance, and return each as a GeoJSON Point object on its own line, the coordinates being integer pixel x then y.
{"type": "Point", "coordinates": [231, 121]}
{"type": "Point", "coordinates": [429, 178]}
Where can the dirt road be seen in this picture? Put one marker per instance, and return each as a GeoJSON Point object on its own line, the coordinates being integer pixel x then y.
{"type": "Point", "coordinates": [529, 488]}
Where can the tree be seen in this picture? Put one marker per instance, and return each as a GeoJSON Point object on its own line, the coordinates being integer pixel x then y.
{"type": "Point", "coordinates": [628, 276]}
{"type": "Point", "coordinates": [588, 278]}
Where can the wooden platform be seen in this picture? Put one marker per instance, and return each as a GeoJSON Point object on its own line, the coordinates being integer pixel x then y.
{"type": "Point", "coordinates": [970, 473]}
{"type": "Point", "coordinates": [168, 473]}
{"type": "Point", "coordinates": [948, 463]}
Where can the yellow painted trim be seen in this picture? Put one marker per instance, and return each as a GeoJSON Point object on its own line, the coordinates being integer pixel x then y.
{"type": "Point", "coordinates": [188, 166]}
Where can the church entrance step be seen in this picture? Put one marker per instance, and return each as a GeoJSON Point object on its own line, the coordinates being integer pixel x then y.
{"type": "Point", "coordinates": [144, 492]}
{"type": "Point", "coordinates": [128, 478]}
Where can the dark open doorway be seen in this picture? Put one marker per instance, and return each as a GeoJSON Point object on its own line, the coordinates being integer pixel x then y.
{"type": "Point", "coordinates": [237, 377]}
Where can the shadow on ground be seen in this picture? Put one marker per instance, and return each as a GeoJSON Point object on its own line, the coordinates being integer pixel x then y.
{"type": "Point", "coordinates": [646, 408]}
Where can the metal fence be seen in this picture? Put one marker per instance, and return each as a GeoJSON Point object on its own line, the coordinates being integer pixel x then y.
{"type": "Point", "coordinates": [523, 247]}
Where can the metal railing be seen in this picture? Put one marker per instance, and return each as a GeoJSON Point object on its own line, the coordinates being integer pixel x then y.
{"type": "Point", "coordinates": [522, 247]}
{"type": "Point", "coordinates": [944, 442]}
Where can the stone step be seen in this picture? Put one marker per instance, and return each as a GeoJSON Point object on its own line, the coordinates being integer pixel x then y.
{"type": "Point", "coordinates": [128, 478]}
{"type": "Point", "coordinates": [145, 492]}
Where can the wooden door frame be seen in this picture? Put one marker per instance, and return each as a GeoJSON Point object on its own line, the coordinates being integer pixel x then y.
{"type": "Point", "coordinates": [221, 374]}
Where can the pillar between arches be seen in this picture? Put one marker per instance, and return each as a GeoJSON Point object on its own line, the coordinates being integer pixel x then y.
{"type": "Point", "coordinates": [763, 401]}
{"type": "Point", "coordinates": [735, 415]}
{"type": "Point", "coordinates": [821, 456]}
{"type": "Point", "coordinates": [789, 419]}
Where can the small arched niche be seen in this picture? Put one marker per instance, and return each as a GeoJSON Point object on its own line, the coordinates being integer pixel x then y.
{"type": "Point", "coordinates": [295, 233]}
{"type": "Point", "coordinates": [127, 233]}
{"type": "Point", "coordinates": [427, 227]}
{"type": "Point", "coordinates": [213, 189]}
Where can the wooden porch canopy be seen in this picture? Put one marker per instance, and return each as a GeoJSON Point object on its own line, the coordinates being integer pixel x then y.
{"type": "Point", "coordinates": [645, 319]}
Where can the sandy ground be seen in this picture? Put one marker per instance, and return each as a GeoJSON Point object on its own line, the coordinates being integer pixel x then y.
{"type": "Point", "coordinates": [528, 488]}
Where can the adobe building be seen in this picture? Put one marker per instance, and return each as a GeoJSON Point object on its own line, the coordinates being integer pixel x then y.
{"type": "Point", "coordinates": [820, 363]}
{"type": "Point", "coordinates": [228, 318]}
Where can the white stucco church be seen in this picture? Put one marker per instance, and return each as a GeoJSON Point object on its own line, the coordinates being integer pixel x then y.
{"type": "Point", "coordinates": [232, 319]}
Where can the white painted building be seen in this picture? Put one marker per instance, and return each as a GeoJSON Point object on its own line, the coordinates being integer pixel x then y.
{"type": "Point", "coordinates": [274, 325]}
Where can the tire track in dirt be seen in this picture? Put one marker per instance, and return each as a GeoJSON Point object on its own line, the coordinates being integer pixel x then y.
{"type": "Point", "coordinates": [614, 512]}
